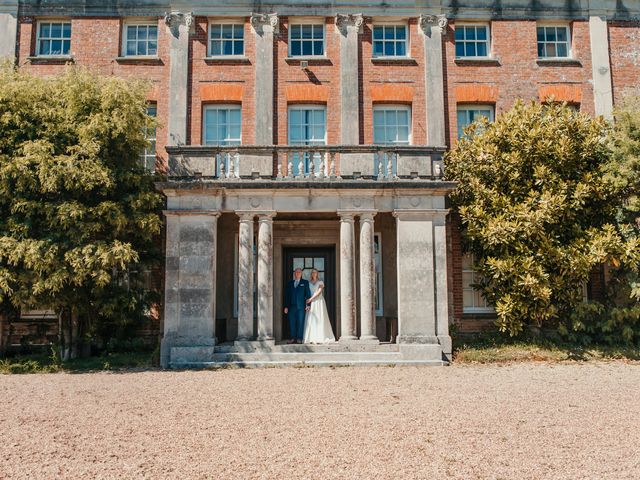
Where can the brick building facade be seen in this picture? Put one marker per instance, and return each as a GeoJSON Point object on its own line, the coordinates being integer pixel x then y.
{"type": "Point", "coordinates": [315, 134]}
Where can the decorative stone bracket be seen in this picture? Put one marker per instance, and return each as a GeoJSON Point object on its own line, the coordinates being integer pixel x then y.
{"type": "Point", "coordinates": [261, 20]}
{"type": "Point", "coordinates": [344, 21]}
{"type": "Point", "coordinates": [427, 22]}
{"type": "Point", "coordinates": [174, 19]}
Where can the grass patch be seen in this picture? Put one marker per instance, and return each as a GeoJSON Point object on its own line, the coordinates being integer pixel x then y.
{"type": "Point", "coordinates": [496, 348]}
{"type": "Point", "coordinates": [40, 363]}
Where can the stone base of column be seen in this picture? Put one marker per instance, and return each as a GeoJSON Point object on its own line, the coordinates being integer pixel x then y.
{"type": "Point", "coordinates": [185, 349]}
{"type": "Point", "coordinates": [447, 346]}
{"type": "Point", "coordinates": [370, 340]}
{"type": "Point", "coordinates": [418, 339]}
{"type": "Point", "coordinates": [348, 339]}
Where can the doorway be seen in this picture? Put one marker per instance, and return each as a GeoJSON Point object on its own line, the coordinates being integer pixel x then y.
{"type": "Point", "coordinates": [322, 259]}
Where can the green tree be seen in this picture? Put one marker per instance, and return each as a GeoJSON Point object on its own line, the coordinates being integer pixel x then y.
{"type": "Point", "coordinates": [77, 210]}
{"type": "Point", "coordinates": [537, 210]}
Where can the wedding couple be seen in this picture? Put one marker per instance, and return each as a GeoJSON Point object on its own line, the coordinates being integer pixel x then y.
{"type": "Point", "coordinates": [308, 315]}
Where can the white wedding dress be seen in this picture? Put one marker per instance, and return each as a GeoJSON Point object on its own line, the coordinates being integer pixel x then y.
{"type": "Point", "coordinates": [317, 327]}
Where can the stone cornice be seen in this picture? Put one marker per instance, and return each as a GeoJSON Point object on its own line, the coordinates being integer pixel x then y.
{"type": "Point", "coordinates": [344, 21]}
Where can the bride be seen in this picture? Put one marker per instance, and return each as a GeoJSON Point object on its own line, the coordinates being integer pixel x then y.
{"type": "Point", "coordinates": [317, 328]}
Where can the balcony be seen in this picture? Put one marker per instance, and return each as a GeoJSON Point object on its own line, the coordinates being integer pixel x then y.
{"type": "Point", "coordinates": [321, 163]}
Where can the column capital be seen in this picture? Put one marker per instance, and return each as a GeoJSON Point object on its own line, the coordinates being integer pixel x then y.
{"type": "Point", "coordinates": [347, 215]}
{"type": "Point", "coordinates": [265, 216]}
{"type": "Point", "coordinates": [367, 216]}
{"type": "Point", "coordinates": [346, 20]}
{"type": "Point", "coordinates": [427, 22]}
{"type": "Point", "coordinates": [261, 20]}
{"type": "Point", "coordinates": [174, 19]}
{"type": "Point", "coordinates": [245, 216]}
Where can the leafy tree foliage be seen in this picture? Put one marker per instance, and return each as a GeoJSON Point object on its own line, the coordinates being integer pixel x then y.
{"type": "Point", "coordinates": [538, 211]}
{"type": "Point", "coordinates": [77, 210]}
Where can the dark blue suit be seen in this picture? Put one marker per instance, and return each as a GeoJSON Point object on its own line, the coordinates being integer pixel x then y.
{"type": "Point", "coordinates": [295, 300]}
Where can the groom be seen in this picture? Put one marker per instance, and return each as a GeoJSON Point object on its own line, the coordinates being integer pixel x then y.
{"type": "Point", "coordinates": [295, 305]}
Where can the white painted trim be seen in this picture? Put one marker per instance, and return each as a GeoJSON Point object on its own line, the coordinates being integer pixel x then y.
{"type": "Point", "coordinates": [308, 21]}
{"type": "Point", "coordinates": [465, 23]}
{"type": "Point", "coordinates": [568, 26]}
{"type": "Point", "coordinates": [219, 106]}
{"type": "Point", "coordinates": [52, 20]}
{"type": "Point", "coordinates": [388, 23]}
{"type": "Point", "coordinates": [394, 107]}
{"type": "Point", "coordinates": [227, 21]}
{"type": "Point", "coordinates": [151, 22]}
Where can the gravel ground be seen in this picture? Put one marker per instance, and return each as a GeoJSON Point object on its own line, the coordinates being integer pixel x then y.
{"type": "Point", "coordinates": [520, 421]}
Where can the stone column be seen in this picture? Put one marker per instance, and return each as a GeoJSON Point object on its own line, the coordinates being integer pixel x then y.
{"type": "Point", "coordinates": [367, 280]}
{"type": "Point", "coordinates": [245, 277]}
{"type": "Point", "coordinates": [265, 276]}
{"type": "Point", "coordinates": [602, 89]}
{"type": "Point", "coordinates": [9, 32]}
{"type": "Point", "coordinates": [265, 26]}
{"type": "Point", "coordinates": [190, 287]}
{"type": "Point", "coordinates": [416, 277]}
{"type": "Point", "coordinates": [433, 27]}
{"type": "Point", "coordinates": [349, 26]}
{"type": "Point", "coordinates": [347, 278]}
{"type": "Point", "coordinates": [178, 26]}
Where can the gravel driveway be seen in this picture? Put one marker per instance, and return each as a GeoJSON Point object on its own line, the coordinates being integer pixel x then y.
{"type": "Point", "coordinates": [521, 421]}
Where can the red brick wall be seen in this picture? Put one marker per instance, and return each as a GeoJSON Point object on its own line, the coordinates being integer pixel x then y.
{"type": "Point", "coordinates": [519, 75]}
{"type": "Point", "coordinates": [95, 44]}
{"type": "Point", "coordinates": [624, 45]}
{"type": "Point", "coordinates": [220, 76]}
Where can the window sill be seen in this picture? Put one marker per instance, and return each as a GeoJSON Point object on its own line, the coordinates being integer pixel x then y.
{"type": "Point", "coordinates": [477, 61]}
{"type": "Point", "coordinates": [227, 59]}
{"type": "Point", "coordinates": [559, 62]}
{"type": "Point", "coordinates": [479, 313]}
{"type": "Point", "coordinates": [132, 59]}
{"type": "Point", "coordinates": [394, 60]}
{"type": "Point", "coordinates": [311, 60]}
{"type": "Point", "coordinates": [52, 59]}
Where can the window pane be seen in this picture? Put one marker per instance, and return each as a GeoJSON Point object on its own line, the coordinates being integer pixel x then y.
{"type": "Point", "coordinates": [153, 48]}
{"type": "Point", "coordinates": [562, 34]}
{"type": "Point", "coordinates": [551, 34]}
{"type": "Point", "coordinates": [470, 50]}
{"type": "Point", "coordinates": [378, 33]}
{"type": "Point", "coordinates": [239, 48]}
{"type": "Point", "coordinates": [401, 49]}
{"type": "Point", "coordinates": [318, 117]}
{"type": "Point", "coordinates": [56, 30]}
{"type": "Point", "coordinates": [45, 30]}
{"type": "Point", "coordinates": [459, 49]}
{"type": "Point", "coordinates": [562, 50]}
{"type": "Point", "coordinates": [459, 33]}
{"type": "Point", "coordinates": [389, 33]}
{"type": "Point", "coordinates": [227, 31]}
{"type": "Point", "coordinates": [153, 33]}
{"type": "Point", "coordinates": [216, 31]}
{"type": "Point", "coordinates": [216, 47]}
{"type": "Point", "coordinates": [318, 31]}
{"type": "Point", "coordinates": [142, 48]}
{"type": "Point", "coordinates": [378, 117]}
{"type": "Point", "coordinates": [378, 135]}
{"type": "Point", "coordinates": [45, 48]}
{"type": "Point", "coordinates": [482, 49]}
{"type": "Point", "coordinates": [296, 31]}
{"type": "Point", "coordinates": [401, 33]}
{"type": "Point", "coordinates": [318, 48]}
{"type": "Point", "coordinates": [307, 31]}
{"type": "Point", "coordinates": [540, 34]}
{"type": "Point", "coordinates": [378, 49]}
{"type": "Point", "coordinates": [296, 48]}
{"type": "Point", "coordinates": [307, 48]}
{"type": "Point", "coordinates": [471, 33]}
{"type": "Point", "coordinates": [66, 46]}
{"type": "Point", "coordinates": [56, 47]}
{"type": "Point", "coordinates": [403, 134]}
{"type": "Point", "coordinates": [227, 47]}
{"type": "Point", "coordinates": [295, 133]}
{"type": "Point", "coordinates": [388, 49]}
{"type": "Point", "coordinates": [482, 33]}
{"type": "Point", "coordinates": [541, 52]}
{"type": "Point", "coordinates": [142, 33]}
{"type": "Point", "coordinates": [551, 49]}
{"type": "Point", "coordinates": [238, 31]}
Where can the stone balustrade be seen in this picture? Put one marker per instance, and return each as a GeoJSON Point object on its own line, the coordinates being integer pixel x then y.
{"type": "Point", "coordinates": [306, 162]}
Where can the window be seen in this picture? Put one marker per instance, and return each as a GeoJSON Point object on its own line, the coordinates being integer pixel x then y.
{"type": "Point", "coordinates": [306, 40]}
{"type": "Point", "coordinates": [469, 114]}
{"type": "Point", "coordinates": [377, 260]}
{"type": "Point", "coordinates": [148, 156]}
{"type": "Point", "coordinates": [222, 125]}
{"type": "Point", "coordinates": [392, 125]}
{"type": "Point", "coordinates": [140, 40]}
{"type": "Point", "coordinates": [390, 41]}
{"type": "Point", "coordinates": [472, 41]}
{"type": "Point", "coordinates": [54, 38]}
{"type": "Point", "coordinates": [226, 39]}
{"type": "Point", "coordinates": [553, 42]}
{"type": "Point", "coordinates": [472, 299]}
{"type": "Point", "coordinates": [307, 126]}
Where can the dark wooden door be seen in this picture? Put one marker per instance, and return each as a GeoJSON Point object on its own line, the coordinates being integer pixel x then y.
{"type": "Point", "coordinates": [322, 259]}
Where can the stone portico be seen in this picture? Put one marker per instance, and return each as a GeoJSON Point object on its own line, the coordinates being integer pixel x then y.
{"type": "Point", "coordinates": [227, 238]}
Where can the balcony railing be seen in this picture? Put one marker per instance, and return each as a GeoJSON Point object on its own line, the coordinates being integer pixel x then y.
{"type": "Point", "coordinates": [307, 163]}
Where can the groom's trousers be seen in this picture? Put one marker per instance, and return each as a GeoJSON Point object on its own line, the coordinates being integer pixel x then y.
{"type": "Point", "coordinates": [296, 323]}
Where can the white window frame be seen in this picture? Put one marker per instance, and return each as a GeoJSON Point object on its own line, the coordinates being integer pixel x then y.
{"type": "Point", "coordinates": [151, 135]}
{"type": "Point", "coordinates": [394, 107]}
{"type": "Point", "coordinates": [309, 21]}
{"type": "Point", "coordinates": [297, 106]}
{"type": "Point", "coordinates": [378, 265]}
{"type": "Point", "coordinates": [486, 308]}
{"type": "Point", "coordinates": [396, 25]}
{"type": "Point", "coordinates": [216, 106]}
{"type": "Point", "coordinates": [567, 27]}
{"type": "Point", "coordinates": [465, 107]}
{"type": "Point", "coordinates": [138, 23]}
{"type": "Point", "coordinates": [38, 38]}
{"type": "Point", "coordinates": [465, 41]}
{"type": "Point", "coordinates": [227, 21]}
